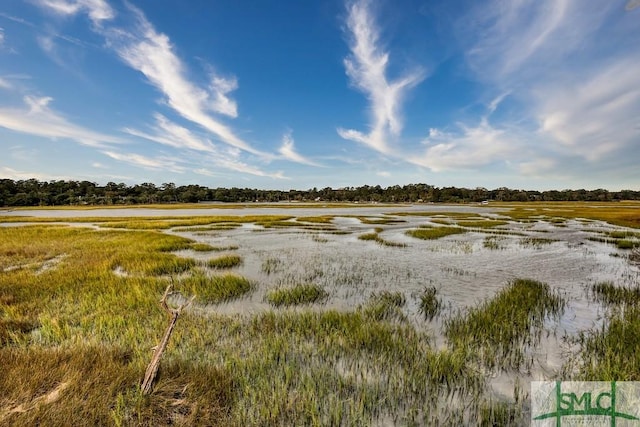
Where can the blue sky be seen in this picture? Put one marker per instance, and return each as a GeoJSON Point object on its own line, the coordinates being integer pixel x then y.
{"type": "Point", "coordinates": [535, 94]}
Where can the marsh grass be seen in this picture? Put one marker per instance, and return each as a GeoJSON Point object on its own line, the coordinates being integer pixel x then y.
{"type": "Point", "coordinates": [612, 352]}
{"type": "Point", "coordinates": [224, 262]}
{"type": "Point", "coordinates": [222, 226]}
{"type": "Point", "coordinates": [379, 221]}
{"type": "Point", "coordinates": [201, 247]}
{"type": "Point", "coordinates": [430, 233]}
{"type": "Point", "coordinates": [319, 239]}
{"type": "Point", "coordinates": [620, 243]}
{"type": "Point", "coordinates": [499, 413]}
{"type": "Point", "coordinates": [384, 305]}
{"type": "Point", "coordinates": [215, 289]}
{"type": "Point", "coordinates": [535, 242]}
{"type": "Point", "coordinates": [434, 214]}
{"type": "Point", "coordinates": [494, 243]}
{"type": "Point", "coordinates": [627, 244]}
{"type": "Point", "coordinates": [90, 385]}
{"type": "Point", "coordinates": [14, 331]}
{"type": "Point", "coordinates": [161, 222]}
{"type": "Point", "coordinates": [482, 223]}
{"type": "Point", "coordinates": [623, 214]}
{"type": "Point", "coordinates": [611, 294]}
{"type": "Point", "coordinates": [296, 295]}
{"type": "Point", "coordinates": [343, 368]}
{"type": "Point", "coordinates": [325, 219]}
{"type": "Point", "coordinates": [375, 237]}
{"type": "Point", "coordinates": [429, 303]}
{"type": "Point", "coordinates": [442, 221]}
{"type": "Point", "coordinates": [499, 330]}
{"type": "Point", "coordinates": [622, 234]}
{"type": "Point", "coordinates": [272, 265]}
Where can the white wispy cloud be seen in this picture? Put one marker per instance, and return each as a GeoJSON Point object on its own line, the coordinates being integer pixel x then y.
{"type": "Point", "coordinates": [97, 10]}
{"type": "Point", "coordinates": [594, 114]}
{"type": "Point", "coordinates": [10, 173]}
{"type": "Point", "coordinates": [169, 133]}
{"type": "Point", "coordinates": [573, 80]}
{"type": "Point", "coordinates": [470, 148]}
{"type": "Point", "coordinates": [155, 163]}
{"type": "Point", "coordinates": [367, 70]}
{"type": "Point", "coordinates": [220, 102]}
{"type": "Point", "coordinates": [202, 151]}
{"type": "Point", "coordinates": [237, 165]}
{"type": "Point", "coordinates": [1, 37]}
{"type": "Point", "coordinates": [288, 151]}
{"type": "Point", "coordinates": [37, 118]}
{"type": "Point", "coordinates": [511, 41]}
{"type": "Point", "coordinates": [151, 53]}
{"type": "Point", "coordinates": [4, 84]}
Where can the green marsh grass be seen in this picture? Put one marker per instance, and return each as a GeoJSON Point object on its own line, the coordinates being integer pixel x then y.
{"type": "Point", "coordinates": [375, 237]}
{"type": "Point", "coordinates": [342, 368]}
{"type": "Point", "coordinates": [325, 219]}
{"type": "Point", "coordinates": [611, 294]}
{"type": "Point", "coordinates": [272, 265]}
{"type": "Point", "coordinates": [224, 262]}
{"type": "Point", "coordinates": [494, 243]}
{"type": "Point", "coordinates": [499, 413]}
{"type": "Point", "coordinates": [215, 227]}
{"type": "Point", "coordinates": [431, 233]}
{"type": "Point", "coordinates": [623, 214]}
{"type": "Point", "coordinates": [429, 303]}
{"type": "Point", "coordinates": [535, 242]}
{"type": "Point", "coordinates": [499, 330]}
{"type": "Point", "coordinates": [481, 223]}
{"type": "Point", "coordinates": [442, 221]}
{"type": "Point", "coordinates": [296, 295]}
{"type": "Point", "coordinates": [384, 305]}
{"type": "Point", "coordinates": [379, 221]}
{"type": "Point", "coordinates": [613, 351]}
{"type": "Point", "coordinates": [201, 247]}
{"type": "Point", "coordinates": [215, 289]}
{"type": "Point", "coordinates": [627, 244]}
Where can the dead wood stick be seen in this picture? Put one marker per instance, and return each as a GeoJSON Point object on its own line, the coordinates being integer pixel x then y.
{"type": "Point", "coordinates": [154, 365]}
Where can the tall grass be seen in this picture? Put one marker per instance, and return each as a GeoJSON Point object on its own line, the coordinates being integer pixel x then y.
{"type": "Point", "coordinates": [215, 289]}
{"type": "Point", "coordinates": [430, 233]}
{"type": "Point", "coordinates": [296, 295]}
{"type": "Point", "coordinates": [613, 351]}
{"type": "Point", "coordinates": [499, 330]}
{"type": "Point", "coordinates": [375, 237]}
{"type": "Point", "coordinates": [384, 305]}
{"type": "Point", "coordinates": [224, 262]}
{"type": "Point", "coordinates": [611, 294]}
{"type": "Point", "coordinates": [430, 304]}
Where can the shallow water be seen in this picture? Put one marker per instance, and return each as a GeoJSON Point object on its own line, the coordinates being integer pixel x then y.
{"type": "Point", "coordinates": [464, 271]}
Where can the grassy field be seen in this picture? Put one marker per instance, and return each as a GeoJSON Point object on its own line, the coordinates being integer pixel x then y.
{"type": "Point", "coordinates": [626, 214]}
{"type": "Point", "coordinates": [79, 315]}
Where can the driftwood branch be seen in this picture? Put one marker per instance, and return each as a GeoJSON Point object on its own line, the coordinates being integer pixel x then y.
{"type": "Point", "coordinates": [154, 365]}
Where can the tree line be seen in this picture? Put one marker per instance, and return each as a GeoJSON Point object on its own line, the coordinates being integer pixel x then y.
{"type": "Point", "coordinates": [32, 192]}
